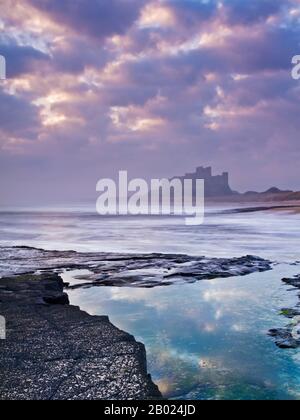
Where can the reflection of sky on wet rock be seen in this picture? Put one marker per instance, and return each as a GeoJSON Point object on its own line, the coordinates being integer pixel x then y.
{"type": "Point", "coordinates": [209, 339]}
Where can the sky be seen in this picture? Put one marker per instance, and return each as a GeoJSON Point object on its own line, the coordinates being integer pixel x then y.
{"type": "Point", "coordinates": [155, 87]}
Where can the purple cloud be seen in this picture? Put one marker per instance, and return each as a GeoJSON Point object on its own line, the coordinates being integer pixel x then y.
{"type": "Point", "coordinates": [20, 59]}
{"type": "Point", "coordinates": [17, 116]}
{"type": "Point", "coordinates": [189, 83]}
{"type": "Point", "coordinates": [95, 18]}
{"type": "Point", "coordinates": [249, 12]}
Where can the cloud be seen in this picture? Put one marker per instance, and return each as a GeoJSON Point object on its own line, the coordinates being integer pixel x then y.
{"type": "Point", "coordinates": [20, 58]}
{"type": "Point", "coordinates": [193, 12]}
{"type": "Point", "coordinates": [96, 18]}
{"type": "Point", "coordinates": [254, 11]}
{"type": "Point", "coordinates": [17, 116]}
{"type": "Point", "coordinates": [104, 85]}
{"type": "Point", "coordinates": [74, 55]}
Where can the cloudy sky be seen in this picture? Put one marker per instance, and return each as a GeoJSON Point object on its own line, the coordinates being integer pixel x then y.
{"type": "Point", "coordinates": [156, 87]}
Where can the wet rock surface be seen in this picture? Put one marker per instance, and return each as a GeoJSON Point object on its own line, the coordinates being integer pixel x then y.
{"type": "Point", "coordinates": [54, 351]}
{"type": "Point", "coordinates": [284, 338]}
{"type": "Point", "coordinates": [289, 337]}
{"type": "Point", "coordinates": [294, 281]}
{"type": "Point", "coordinates": [142, 270]}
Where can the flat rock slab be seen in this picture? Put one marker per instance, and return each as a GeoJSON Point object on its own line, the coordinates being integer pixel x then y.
{"type": "Point", "coordinates": [57, 352]}
{"type": "Point", "coordinates": [128, 270]}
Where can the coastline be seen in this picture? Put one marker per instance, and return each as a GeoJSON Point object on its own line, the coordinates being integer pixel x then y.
{"type": "Point", "coordinates": [128, 270]}
{"type": "Point", "coordinates": [60, 355]}
{"type": "Point", "coordinates": [55, 351]}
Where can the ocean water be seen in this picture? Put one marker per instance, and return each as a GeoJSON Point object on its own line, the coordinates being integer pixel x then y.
{"type": "Point", "coordinates": [272, 235]}
{"type": "Point", "coordinates": [206, 340]}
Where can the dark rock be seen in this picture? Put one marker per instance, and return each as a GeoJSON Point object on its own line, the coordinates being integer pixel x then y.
{"type": "Point", "coordinates": [290, 313]}
{"type": "Point", "coordinates": [57, 299]}
{"type": "Point", "coordinates": [55, 351]}
{"type": "Point", "coordinates": [286, 338]}
{"type": "Point", "coordinates": [294, 281]}
{"type": "Point", "coordinates": [125, 270]}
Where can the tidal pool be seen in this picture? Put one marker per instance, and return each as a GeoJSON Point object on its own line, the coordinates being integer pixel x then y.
{"type": "Point", "coordinates": [207, 340]}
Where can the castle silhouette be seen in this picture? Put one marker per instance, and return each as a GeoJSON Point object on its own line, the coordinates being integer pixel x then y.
{"type": "Point", "coordinates": [215, 185]}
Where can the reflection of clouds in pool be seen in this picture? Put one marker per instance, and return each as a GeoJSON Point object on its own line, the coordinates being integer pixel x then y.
{"type": "Point", "coordinates": [219, 314]}
{"type": "Point", "coordinates": [209, 328]}
{"type": "Point", "coordinates": [165, 386]}
{"type": "Point", "coordinates": [164, 355]}
{"type": "Point", "coordinates": [294, 393]}
{"type": "Point", "coordinates": [224, 296]}
{"type": "Point", "coordinates": [133, 295]}
{"type": "Point", "coordinates": [180, 372]}
{"type": "Point", "coordinates": [206, 340]}
{"type": "Point", "coordinates": [238, 328]}
{"type": "Point", "coordinates": [129, 295]}
{"type": "Point", "coordinates": [183, 373]}
{"type": "Point", "coordinates": [225, 300]}
{"type": "Point", "coordinates": [296, 358]}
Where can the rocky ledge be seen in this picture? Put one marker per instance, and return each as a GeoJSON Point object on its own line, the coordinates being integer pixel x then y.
{"type": "Point", "coordinates": [289, 337]}
{"type": "Point", "coordinates": [128, 270]}
{"type": "Point", "coordinates": [54, 351]}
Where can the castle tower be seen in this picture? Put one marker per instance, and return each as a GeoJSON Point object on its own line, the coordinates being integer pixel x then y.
{"type": "Point", "coordinates": [203, 173]}
{"type": "Point", "coordinates": [215, 186]}
{"type": "Point", "coordinates": [226, 178]}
